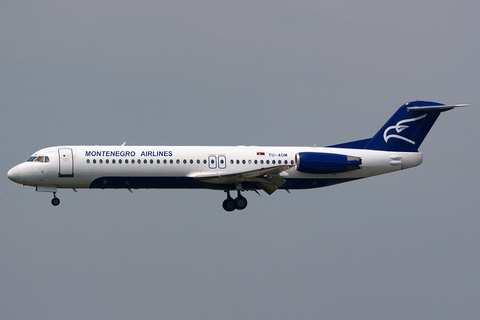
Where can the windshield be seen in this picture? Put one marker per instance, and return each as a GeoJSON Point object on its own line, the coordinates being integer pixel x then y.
{"type": "Point", "coordinates": [38, 159]}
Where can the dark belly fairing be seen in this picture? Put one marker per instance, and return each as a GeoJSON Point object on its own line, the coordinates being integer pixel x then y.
{"type": "Point", "coordinates": [191, 183]}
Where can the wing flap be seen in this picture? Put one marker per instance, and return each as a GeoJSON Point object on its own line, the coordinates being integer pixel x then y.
{"type": "Point", "coordinates": [269, 188]}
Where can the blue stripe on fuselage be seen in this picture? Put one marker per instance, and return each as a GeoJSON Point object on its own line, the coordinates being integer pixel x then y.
{"type": "Point", "coordinates": [191, 183]}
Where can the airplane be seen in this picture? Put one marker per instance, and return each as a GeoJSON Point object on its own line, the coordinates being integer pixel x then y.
{"type": "Point", "coordinates": [233, 168]}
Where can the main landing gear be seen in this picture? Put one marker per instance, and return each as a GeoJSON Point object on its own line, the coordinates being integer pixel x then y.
{"type": "Point", "coordinates": [55, 200]}
{"type": "Point", "coordinates": [239, 203]}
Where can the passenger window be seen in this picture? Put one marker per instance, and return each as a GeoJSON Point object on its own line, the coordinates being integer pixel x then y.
{"type": "Point", "coordinates": [94, 161]}
{"type": "Point", "coordinates": [267, 162]}
{"type": "Point", "coordinates": [88, 160]}
{"type": "Point", "coordinates": [113, 161]}
{"type": "Point", "coordinates": [106, 161]}
{"type": "Point", "coordinates": [100, 161]}
{"type": "Point", "coordinates": [120, 161]}
{"type": "Point", "coordinates": [191, 161]}
{"type": "Point", "coordinates": [178, 161]}
{"type": "Point", "coordinates": [231, 161]}
{"type": "Point", "coordinates": [261, 161]}
{"type": "Point", "coordinates": [238, 161]}
{"type": "Point", "coordinates": [139, 161]}
{"type": "Point", "coordinates": [273, 161]}
{"type": "Point", "coordinates": [126, 160]}
{"type": "Point", "coordinates": [184, 161]}
{"type": "Point", "coordinates": [171, 161]}
{"type": "Point", "coordinates": [158, 161]}
{"type": "Point", "coordinates": [204, 161]}
{"type": "Point", "coordinates": [198, 161]}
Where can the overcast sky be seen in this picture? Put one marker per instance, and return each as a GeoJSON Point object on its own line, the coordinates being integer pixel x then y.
{"type": "Point", "coordinates": [399, 246]}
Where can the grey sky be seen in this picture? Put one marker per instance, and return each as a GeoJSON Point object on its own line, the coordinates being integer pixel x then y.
{"type": "Point", "coordinates": [398, 246]}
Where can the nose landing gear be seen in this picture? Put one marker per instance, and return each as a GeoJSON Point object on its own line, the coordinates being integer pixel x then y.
{"type": "Point", "coordinates": [239, 203]}
{"type": "Point", "coordinates": [55, 200]}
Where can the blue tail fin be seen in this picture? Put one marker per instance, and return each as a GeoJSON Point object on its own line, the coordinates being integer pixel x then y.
{"type": "Point", "coordinates": [408, 127]}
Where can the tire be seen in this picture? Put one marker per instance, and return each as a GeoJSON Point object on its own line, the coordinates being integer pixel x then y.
{"type": "Point", "coordinates": [240, 203]}
{"type": "Point", "coordinates": [229, 204]}
{"type": "Point", "coordinates": [55, 201]}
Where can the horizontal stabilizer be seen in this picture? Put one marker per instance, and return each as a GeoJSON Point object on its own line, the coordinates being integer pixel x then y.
{"type": "Point", "coordinates": [440, 108]}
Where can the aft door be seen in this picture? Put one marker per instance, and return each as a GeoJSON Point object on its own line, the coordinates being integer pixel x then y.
{"type": "Point", "coordinates": [65, 162]}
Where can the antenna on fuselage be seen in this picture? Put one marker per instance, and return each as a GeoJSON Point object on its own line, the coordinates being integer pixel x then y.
{"type": "Point", "coordinates": [123, 144]}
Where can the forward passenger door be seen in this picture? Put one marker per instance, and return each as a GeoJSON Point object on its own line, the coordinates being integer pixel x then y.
{"type": "Point", "coordinates": [65, 162]}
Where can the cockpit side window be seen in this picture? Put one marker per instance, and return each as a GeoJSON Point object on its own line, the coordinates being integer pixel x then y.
{"type": "Point", "coordinates": [38, 159]}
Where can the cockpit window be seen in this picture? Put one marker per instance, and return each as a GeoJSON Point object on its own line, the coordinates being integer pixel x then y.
{"type": "Point", "coordinates": [38, 159]}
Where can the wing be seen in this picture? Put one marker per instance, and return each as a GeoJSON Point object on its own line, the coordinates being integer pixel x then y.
{"type": "Point", "coordinates": [267, 179]}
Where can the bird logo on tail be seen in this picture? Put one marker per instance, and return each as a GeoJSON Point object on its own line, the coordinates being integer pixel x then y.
{"type": "Point", "coordinates": [399, 127]}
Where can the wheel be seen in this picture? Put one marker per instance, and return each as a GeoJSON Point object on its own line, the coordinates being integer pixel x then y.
{"type": "Point", "coordinates": [229, 204]}
{"type": "Point", "coordinates": [240, 203]}
{"type": "Point", "coordinates": [55, 201]}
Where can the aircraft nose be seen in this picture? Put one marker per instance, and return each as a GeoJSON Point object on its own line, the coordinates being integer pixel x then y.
{"type": "Point", "coordinates": [14, 174]}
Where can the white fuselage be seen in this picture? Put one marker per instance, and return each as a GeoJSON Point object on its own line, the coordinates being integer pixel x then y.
{"type": "Point", "coordinates": [180, 166]}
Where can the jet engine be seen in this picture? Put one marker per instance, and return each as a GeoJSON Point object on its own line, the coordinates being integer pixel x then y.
{"type": "Point", "coordinates": [319, 162]}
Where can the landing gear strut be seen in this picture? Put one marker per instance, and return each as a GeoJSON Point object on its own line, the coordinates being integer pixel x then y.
{"type": "Point", "coordinates": [55, 200]}
{"type": "Point", "coordinates": [239, 203]}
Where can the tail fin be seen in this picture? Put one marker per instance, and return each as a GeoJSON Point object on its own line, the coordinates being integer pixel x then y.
{"type": "Point", "coordinates": [408, 127]}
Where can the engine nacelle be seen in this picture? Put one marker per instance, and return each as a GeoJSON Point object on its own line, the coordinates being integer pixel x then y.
{"type": "Point", "coordinates": [319, 162]}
